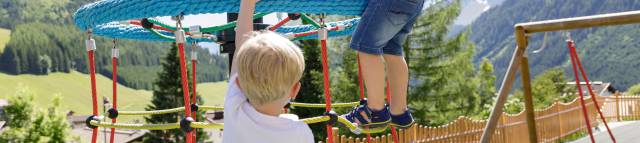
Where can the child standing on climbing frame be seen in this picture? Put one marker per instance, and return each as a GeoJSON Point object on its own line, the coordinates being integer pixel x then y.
{"type": "Point", "coordinates": [265, 75]}
{"type": "Point", "coordinates": [378, 39]}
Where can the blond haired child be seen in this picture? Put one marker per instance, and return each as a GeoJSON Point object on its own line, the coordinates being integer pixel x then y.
{"type": "Point", "coordinates": [265, 75]}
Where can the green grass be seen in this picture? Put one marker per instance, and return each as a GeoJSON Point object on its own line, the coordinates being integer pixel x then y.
{"type": "Point", "coordinates": [572, 137]}
{"type": "Point", "coordinates": [213, 92]}
{"type": "Point", "coordinates": [75, 91]}
{"type": "Point", "coordinates": [5, 35]}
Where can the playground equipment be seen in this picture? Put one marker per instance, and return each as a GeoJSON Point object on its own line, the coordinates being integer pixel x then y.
{"type": "Point", "coordinates": [520, 60]}
{"type": "Point", "coordinates": [113, 18]}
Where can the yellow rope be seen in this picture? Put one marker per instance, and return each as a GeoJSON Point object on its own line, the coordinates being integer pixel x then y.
{"type": "Point", "coordinates": [167, 111]}
{"type": "Point", "coordinates": [318, 119]}
{"type": "Point", "coordinates": [155, 112]}
{"type": "Point", "coordinates": [136, 126]}
{"type": "Point", "coordinates": [207, 125]}
{"type": "Point", "coordinates": [346, 123]}
{"type": "Point", "coordinates": [350, 104]}
{"type": "Point", "coordinates": [167, 126]}
{"type": "Point", "coordinates": [207, 108]}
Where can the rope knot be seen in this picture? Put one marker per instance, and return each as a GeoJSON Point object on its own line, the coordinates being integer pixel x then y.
{"type": "Point", "coordinates": [333, 117]}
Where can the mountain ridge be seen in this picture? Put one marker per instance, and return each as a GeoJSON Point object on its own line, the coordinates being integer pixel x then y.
{"type": "Point", "coordinates": [493, 34]}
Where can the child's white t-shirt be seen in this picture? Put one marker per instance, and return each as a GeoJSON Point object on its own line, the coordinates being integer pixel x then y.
{"type": "Point", "coordinates": [244, 124]}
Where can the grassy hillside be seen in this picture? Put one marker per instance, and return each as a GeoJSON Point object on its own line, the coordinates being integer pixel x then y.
{"type": "Point", "coordinates": [75, 90]}
{"type": "Point", "coordinates": [213, 92]}
{"type": "Point", "coordinates": [5, 35]}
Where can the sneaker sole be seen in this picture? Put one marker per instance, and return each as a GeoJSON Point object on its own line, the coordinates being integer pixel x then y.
{"type": "Point", "coordinates": [377, 124]}
{"type": "Point", "coordinates": [403, 126]}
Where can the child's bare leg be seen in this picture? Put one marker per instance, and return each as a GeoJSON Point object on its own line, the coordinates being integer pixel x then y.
{"type": "Point", "coordinates": [373, 68]}
{"type": "Point", "coordinates": [398, 76]}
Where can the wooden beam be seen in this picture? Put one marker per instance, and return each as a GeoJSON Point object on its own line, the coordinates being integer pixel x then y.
{"type": "Point", "coordinates": [582, 22]}
{"type": "Point", "coordinates": [521, 30]}
{"type": "Point", "coordinates": [528, 100]}
{"type": "Point", "coordinates": [506, 86]}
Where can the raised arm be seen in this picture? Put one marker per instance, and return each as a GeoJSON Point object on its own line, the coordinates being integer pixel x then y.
{"type": "Point", "coordinates": [244, 27]}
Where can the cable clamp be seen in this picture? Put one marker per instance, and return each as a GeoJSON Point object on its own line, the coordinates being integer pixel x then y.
{"type": "Point", "coordinates": [91, 118]}
{"type": "Point", "coordinates": [213, 38]}
{"type": "Point", "coordinates": [288, 105]}
{"type": "Point", "coordinates": [194, 107]}
{"type": "Point", "coordinates": [90, 44]}
{"type": "Point", "coordinates": [145, 23]}
{"type": "Point", "coordinates": [115, 53]}
{"type": "Point", "coordinates": [294, 16]}
{"type": "Point", "coordinates": [180, 37]}
{"type": "Point", "coordinates": [194, 55]}
{"type": "Point", "coordinates": [333, 117]}
{"type": "Point", "coordinates": [289, 35]}
{"type": "Point", "coordinates": [363, 101]}
{"type": "Point", "coordinates": [123, 22]}
{"type": "Point", "coordinates": [195, 31]}
{"type": "Point", "coordinates": [112, 113]}
{"type": "Point", "coordinates": [185, 124]}
{"type": "Point", "coordinates": [342, 27]}
{"type": "Point", "coordinates": [323, 33]}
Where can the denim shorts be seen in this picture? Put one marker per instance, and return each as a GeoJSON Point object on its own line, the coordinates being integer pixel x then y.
{"type": "Point", "coordinates": [385, 25]}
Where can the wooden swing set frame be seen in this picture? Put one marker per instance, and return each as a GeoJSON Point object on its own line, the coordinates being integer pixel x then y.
{"type": "Point", "coordinates": [520, 62]}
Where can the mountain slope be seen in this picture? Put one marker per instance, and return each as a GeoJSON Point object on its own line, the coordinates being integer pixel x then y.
{"type": "Point", "coordinates": [493, 34]}
{"type": "Point", "coordinates": [75, 90]}
{"type": "Point", "coordinates": [46, 40]}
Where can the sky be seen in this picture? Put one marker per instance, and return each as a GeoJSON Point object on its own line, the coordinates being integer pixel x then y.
{"type": "Point", "coordinates": [209, 20]}
{"type": "Point", "coordinates": [472, 9]}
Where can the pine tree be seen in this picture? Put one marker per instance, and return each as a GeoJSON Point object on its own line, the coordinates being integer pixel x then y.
{"type": "Point", "coordinates": [311, 90]}
{"type": "Point", "coordinates": [486, 88]}
{"type": "Point", "coordinates": [167, 94]}
{"type": "Point", "coordinates": [546, 89]}
{"type": "Point", "coordinates": [442, 85]}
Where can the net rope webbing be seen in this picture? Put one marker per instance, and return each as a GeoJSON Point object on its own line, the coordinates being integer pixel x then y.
{"type": "Point", "coordinates": [190, 137]}
{"type": "Point", "coordinates": [576, 61]}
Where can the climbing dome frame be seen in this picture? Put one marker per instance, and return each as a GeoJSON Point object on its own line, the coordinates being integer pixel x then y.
{"type": "Point", "coordinates": [136, 19]}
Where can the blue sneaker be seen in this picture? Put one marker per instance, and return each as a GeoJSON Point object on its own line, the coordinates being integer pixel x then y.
{"type": "Point", "coordinates": [371, 118]}
{"type": "Point", "coordinates": [404, 120]}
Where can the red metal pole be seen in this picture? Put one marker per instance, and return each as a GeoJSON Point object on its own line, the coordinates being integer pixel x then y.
{"type": "Point", "coordinates": [593, 95]}
{"type": "Point", "coordinates": [180, 40]}
{"type": "Point", "coordinates": [584, 108]}
{"type": "Point", "coordinates": [282, 22]}
{"type": "Point", "coordinates": [114, 79]}
{"type": "Point", "coordinates": [194, 62]}
{"type": "Point", "coordinates": [327, 89]}
{"type": "Point", "coordinates": [92, 73]}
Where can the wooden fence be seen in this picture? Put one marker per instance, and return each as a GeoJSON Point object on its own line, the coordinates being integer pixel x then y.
{"type": "Point", "coordinates": [553, 123]}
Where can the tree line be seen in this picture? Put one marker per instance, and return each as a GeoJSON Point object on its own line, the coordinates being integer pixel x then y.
{"type": "Point", "coordinates": [44, 40]}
